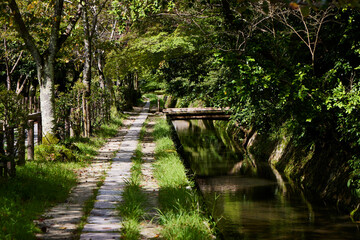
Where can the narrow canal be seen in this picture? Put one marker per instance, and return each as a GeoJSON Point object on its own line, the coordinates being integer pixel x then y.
{"type": "Point", "coordinates": [252, 204]}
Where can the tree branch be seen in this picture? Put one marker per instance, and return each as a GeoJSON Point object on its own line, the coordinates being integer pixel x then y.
{"type": "Point", "coordinates": [24, 32]}
{"type": "Point", "coordinates": [95, 19]}
{"type": "Point", "coordinates": [70, 27]}
{"type": "Point", "coordinates": [16, 63]}
{"type": "Point", "coordinates": [53, 44]}
{"type": "Point", "coordinates": [20, 88]}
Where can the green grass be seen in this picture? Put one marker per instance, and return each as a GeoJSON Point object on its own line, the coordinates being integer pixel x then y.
{"type": "Point", "coordinates": [132, 229]}
{"type": "Point", "coordinates": [132, 208]}
{"type": "Point", "coordinates": [161, 129]}
{"type": "Point", "coordinates": [153, 98]}
{"type": "Point", "coordinates": [185, 225]}
{"type": "Point", "coordinates": [23, 198]}
{"type": "Point", "coordinates": [180, 211]}
{"type": "Point", "coordinates": [44, 182]}
{"type": "Point", "coordinates": [170, 172]}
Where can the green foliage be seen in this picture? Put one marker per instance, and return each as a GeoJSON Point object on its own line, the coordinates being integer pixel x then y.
{"type": "Point", "coordinates": [133, 206]}
{"type": "Point", "coordinates": [12, 111]}
{"type": "Point", "coordinates": [54, 153]}
{"type": "Point", "coordinates": [130, 11]}
{"type": "Point", "coordinates": [354, 180]}
{"type": "Point", "coordinates": [130, 230]}
{"type": "Point", "coordinates": [36, 187]}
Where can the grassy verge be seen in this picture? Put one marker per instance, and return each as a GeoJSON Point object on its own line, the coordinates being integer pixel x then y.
{"type": "Point", "coordinates": [132, 208]}
{"type": "Point", "coordinates": [23, 198]}
{"type": "Point", "coordinates": [180, 211]}
{"type": "Point", "coordinates": [154, 99]}
{"type": "Point", "coordinates": [46, 181]}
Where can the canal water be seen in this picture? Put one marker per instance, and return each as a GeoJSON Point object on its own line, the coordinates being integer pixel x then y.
{"type": "Point", "coordinates": [249, 204]}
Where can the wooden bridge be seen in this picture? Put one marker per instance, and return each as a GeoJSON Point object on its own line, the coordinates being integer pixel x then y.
{"type": "Point", "coordinates": [197, 113]}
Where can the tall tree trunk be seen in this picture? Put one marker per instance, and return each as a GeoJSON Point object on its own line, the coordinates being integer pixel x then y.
{"type": "Point", "coordinates": [47, 105]}
{"type": "Point", "coordinates": [87, 73]}
{"type": "Point", "coordinates": [46, 61]}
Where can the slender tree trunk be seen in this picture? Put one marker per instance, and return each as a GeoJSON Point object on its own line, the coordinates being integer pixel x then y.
{"type": "Point", "coordinates": [87, 73]}
{"type": "Point", "coordinates": [2, 151]}
{"type": "Point", "coordinates": [30, 146]}
{"type": "Point", "coordinates": [100, 64]}
{"type": "Point", "coordinates": [21, 145]}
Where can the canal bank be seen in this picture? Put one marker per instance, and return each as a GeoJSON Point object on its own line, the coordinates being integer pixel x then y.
{"type": "Point", "coordinates": [248, 202]}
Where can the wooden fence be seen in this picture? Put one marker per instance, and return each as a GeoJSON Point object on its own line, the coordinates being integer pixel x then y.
{"type": "Point", "coordinates": [16, 149]}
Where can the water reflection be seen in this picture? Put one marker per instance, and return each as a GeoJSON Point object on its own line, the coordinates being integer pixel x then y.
{"type": "Point", "coordinates": [213, 152]}
{"type": "Point", "coordinates": [248, 206]}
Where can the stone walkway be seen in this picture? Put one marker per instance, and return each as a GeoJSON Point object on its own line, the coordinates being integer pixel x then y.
{"type": "Point", "coordinates": [104, 221]}
{"type": "Point", "coordinates": [150, 228]}
{"type": "Point", "coordinates": [62, 220]}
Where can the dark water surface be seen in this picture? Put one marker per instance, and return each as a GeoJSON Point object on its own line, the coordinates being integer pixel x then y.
{"type": "Point", "coordinates": [253, 204]}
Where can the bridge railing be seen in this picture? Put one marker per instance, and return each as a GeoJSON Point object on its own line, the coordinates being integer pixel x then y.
{"type": "Point", "coordinates": [197, 113]}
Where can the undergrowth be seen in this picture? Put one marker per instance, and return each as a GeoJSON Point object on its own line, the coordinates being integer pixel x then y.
{"type": "Point", "coordinates": [180, 211]}
{"type": "Point", "coordinates": [35, 187]}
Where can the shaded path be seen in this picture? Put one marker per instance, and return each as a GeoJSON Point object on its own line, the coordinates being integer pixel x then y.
{"type": "Point", "coordinates": [61, 221]}
{"type": "Point", "coordinates": [103, 222]}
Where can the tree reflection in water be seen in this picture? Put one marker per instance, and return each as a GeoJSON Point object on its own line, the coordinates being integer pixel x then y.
{"type": "Point", "coordinates": [253, 203]}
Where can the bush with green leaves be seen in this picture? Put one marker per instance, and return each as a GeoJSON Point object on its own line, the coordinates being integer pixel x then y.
{"type": "Point", "coordinates": [53, 151]}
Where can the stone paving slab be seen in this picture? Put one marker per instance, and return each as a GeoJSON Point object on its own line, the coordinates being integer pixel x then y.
{"type": "Point", "coordinates": [105, 205]}
{"type": "Point", "coordinates": [102, 227]}
{"type": "Point", "coordinates": [104, 221]}
{"type": "Point", "coordinates": [109, 197]}
{"type": "Point", "coordinates": [100, 236]}
{"type": "Point", "coordinates": [103, 212]}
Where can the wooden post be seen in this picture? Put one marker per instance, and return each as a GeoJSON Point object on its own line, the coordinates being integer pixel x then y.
{"type": "Point", "coordinates": [158, 105]}
{"type": "Point", "coordinates": [2, 151]}
{"type": "Point", "coordinates": [71, 123]}
{"type": "Point", "coordinates": [31, 104]}
{"type": "Point", "coordinates": [30, 146]}
{"type": "Point", "coordinates": [9, 133]}
{"type": "Point", "coordinates": [21, 145]}
{"type": "Point", "coordinates": [39, 131]}
{"type": "Point", "coordinates": [10, 152]}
